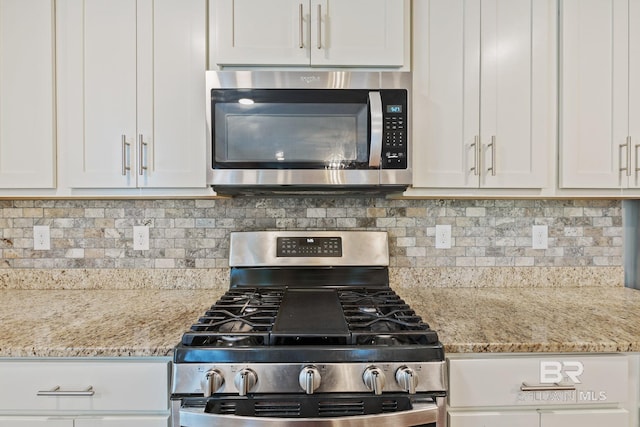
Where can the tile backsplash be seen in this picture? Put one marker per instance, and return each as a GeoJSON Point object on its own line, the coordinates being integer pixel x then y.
{"type": "Point", "coordinates": [193, 234]}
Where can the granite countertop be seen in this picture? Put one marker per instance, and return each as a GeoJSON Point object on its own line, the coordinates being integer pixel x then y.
{"type": "Point", "coordinates": [150, 322]}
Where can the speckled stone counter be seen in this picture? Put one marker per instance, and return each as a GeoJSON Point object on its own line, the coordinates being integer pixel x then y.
{"type": "Point", "coordinates": [79, 323]}
{"type": "Point", "coordinates": [577, 319]}
{"type": "Point", "coordinates": [150, 322]}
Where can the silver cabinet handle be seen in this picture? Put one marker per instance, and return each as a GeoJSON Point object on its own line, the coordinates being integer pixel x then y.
{"type": "Point", "coordinates": [547, 387]}
{"type": "Point", "coordinates": [57, 392]}
{"type": "Point", "coordinates": [626, 145]}
{"type": "Point", "coordinates": [141, 146]}
{"type": "Point", "coordinates": [375, 147]}
{"type": "Point", "coordinates": [301, 29]}
{"type": "Point", "coordinates": [125, 147]}
{"type": "Point", "coordinates": [476, 155]}
{"type": "Point", "coordinates": [493, 156]}
{"type": "Point", "coordinates": [319, 26]}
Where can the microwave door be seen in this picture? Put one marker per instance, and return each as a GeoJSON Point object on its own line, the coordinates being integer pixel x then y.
{"type": "Point", "coordinates": [375, 142]}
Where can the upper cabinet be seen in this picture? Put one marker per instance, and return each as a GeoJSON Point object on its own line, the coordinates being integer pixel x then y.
{"type": "Point", "coordinates": [27, 115]}
{"type": "Point", "coordinates": [484, 93]}
{"type": "Point", "coordinates": [600, 94]}
{"type": "Point", "coordinates": [131, 93]}
{"type": "Point", "coordinates": [319, 33]}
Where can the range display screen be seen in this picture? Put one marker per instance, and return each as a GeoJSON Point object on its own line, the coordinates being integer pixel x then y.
{"type": "Point", "coordinates": [309, 247]}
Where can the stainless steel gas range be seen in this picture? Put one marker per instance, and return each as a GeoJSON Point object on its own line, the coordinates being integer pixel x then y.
{"type": "Point", "coordinates": [309, 334]}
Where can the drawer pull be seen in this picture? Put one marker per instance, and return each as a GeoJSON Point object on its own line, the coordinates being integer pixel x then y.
{"type": "Point", "coordinates": [89, 391]}
{"type": "Point", "coordinates": [547, 387]}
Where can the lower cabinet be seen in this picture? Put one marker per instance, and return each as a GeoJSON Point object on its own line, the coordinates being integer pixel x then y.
{"type": "Point", "coordinates": [115, 421]}
{"type": "Point", "coordinates": [536, 418]}
{"type": "Point", "coordinates": [35, 422]}
{"type": "Point", "coordinates": [555, 390]}
{"type": "Point", "coordinates": [84, 392]}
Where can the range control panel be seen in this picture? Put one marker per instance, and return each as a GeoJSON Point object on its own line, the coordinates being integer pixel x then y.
{"type": "Point", "coordinates": [309, 247]}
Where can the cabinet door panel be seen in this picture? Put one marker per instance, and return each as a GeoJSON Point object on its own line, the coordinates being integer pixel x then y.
{"type": "Point", "coordinates": [97, 90]}
{"type": "Point", "coordinates": [585, 418]}
{"type": "Point", "coordinates": [171, 88]}
{"type": "Point", "coordinates": [123, 421]}
{"type": "Point", "coordinates": [446, 93]}
{"type": "Point", "coordinates": [494, 419]}
{"type": "Point", "coordinates": [634, 86]}
{"type": "Point", "coordinates": [27, 128]}
{"type": "Point", "coordinates": [258, 32]}
{"type": "Point", "coordinates": [357, 33]}
{"type": "Point", "coordinates": [594, 93]}
{"type": "Point", "coordinates": [517, 93]}
{"type": "Point", "coordinates": [35, 422]}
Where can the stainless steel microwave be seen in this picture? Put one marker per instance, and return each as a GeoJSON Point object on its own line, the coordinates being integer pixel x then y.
{"type": "Point", "coordinates": [326, 132]}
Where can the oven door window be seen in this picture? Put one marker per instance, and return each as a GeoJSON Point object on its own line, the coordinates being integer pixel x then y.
{"type": "Point", "coordinates": [306, 129]}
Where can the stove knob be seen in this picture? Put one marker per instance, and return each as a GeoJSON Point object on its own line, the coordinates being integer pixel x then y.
{"type": "Point", "coordinates": [407, 379]}
{"type": "Point", "coordinates": [212, 382]}
{"type": "Point", "coordinates": [309, 379]}
{"type": "Point", "coordinates": [374, 379]}
{"type": "Point", "coordinates": [245, 380]}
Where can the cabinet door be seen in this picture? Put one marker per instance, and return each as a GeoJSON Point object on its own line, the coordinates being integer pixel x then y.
{"type": "Point", "coordinates": [171, 135]}
{"type": "Point", "coordinates": [97, 91]}
{"type": "Point", "coordinates": [27, 128]}
{"type": "Point", "coordinates": [585, 418]}
{"type": "Point", "coordinates": [35, 422]}
{"type": "Point", "coordinates": [494, 419]}
{"type": "Point", "coordinates": [308, 32]}
{"type": "Point", "coordinates": [258, 32]}
{"type": "Point", "coordinates": [446, 93]}
{"type": "Point", "coordinates": [123, 421]}
{"type": "Point", "coordinates": [594, 94]}
{"type": "Point", "coordinates": [634, 87]}
{"type": "Point", "coordinates": [357, 33]}
{"type": "Point", "coordinates": [517, 101]}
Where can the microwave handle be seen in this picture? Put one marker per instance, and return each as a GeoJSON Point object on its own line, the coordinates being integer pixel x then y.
{"type": "Point", "coordinates": [375, 145]}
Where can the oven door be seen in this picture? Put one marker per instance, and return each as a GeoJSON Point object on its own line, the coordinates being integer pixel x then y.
{"type": "Point", "coordinates": [423, 414]}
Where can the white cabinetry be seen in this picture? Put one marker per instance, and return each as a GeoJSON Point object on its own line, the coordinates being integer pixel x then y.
{"type": "Point", "coordinates": [539, 391]}
{"type": "Point", "coordinates": [27, 118]}
{"type": "Point", "coordinates": [484, 93]}
{"type": "Point", "coordinates": [323, 33]}
{"type": "Point", "coordinates": [131, 103]}
{"type": "Point", "coordinates": [84, 392]}
{"type": "Point", "coordinates": [600, 94]}
{"type": "Point", "coordinates": [35, 422]}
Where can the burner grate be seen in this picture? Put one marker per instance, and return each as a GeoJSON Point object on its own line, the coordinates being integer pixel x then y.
{"type": "Point", "coordinates": [239, 318]}
{"type": "Point", "coordinates": [381, 317]}
{"type": "Point", "coordinates": [271, 316]}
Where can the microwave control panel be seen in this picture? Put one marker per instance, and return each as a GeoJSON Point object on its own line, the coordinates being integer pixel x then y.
{"type": "Point", "coordinates": [394, 135]}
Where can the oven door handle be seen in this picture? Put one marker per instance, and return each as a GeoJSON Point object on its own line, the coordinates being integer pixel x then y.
{"type": "Point", "coordinates": [375, 145]}
{"type": "Point", "coordinates": [422, 413]}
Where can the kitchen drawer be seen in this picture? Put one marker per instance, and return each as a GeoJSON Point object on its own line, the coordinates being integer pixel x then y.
{"type": "Point", "coordinates": [498, 381]}
{"type": "Point", "coordinates": [118, 385]}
